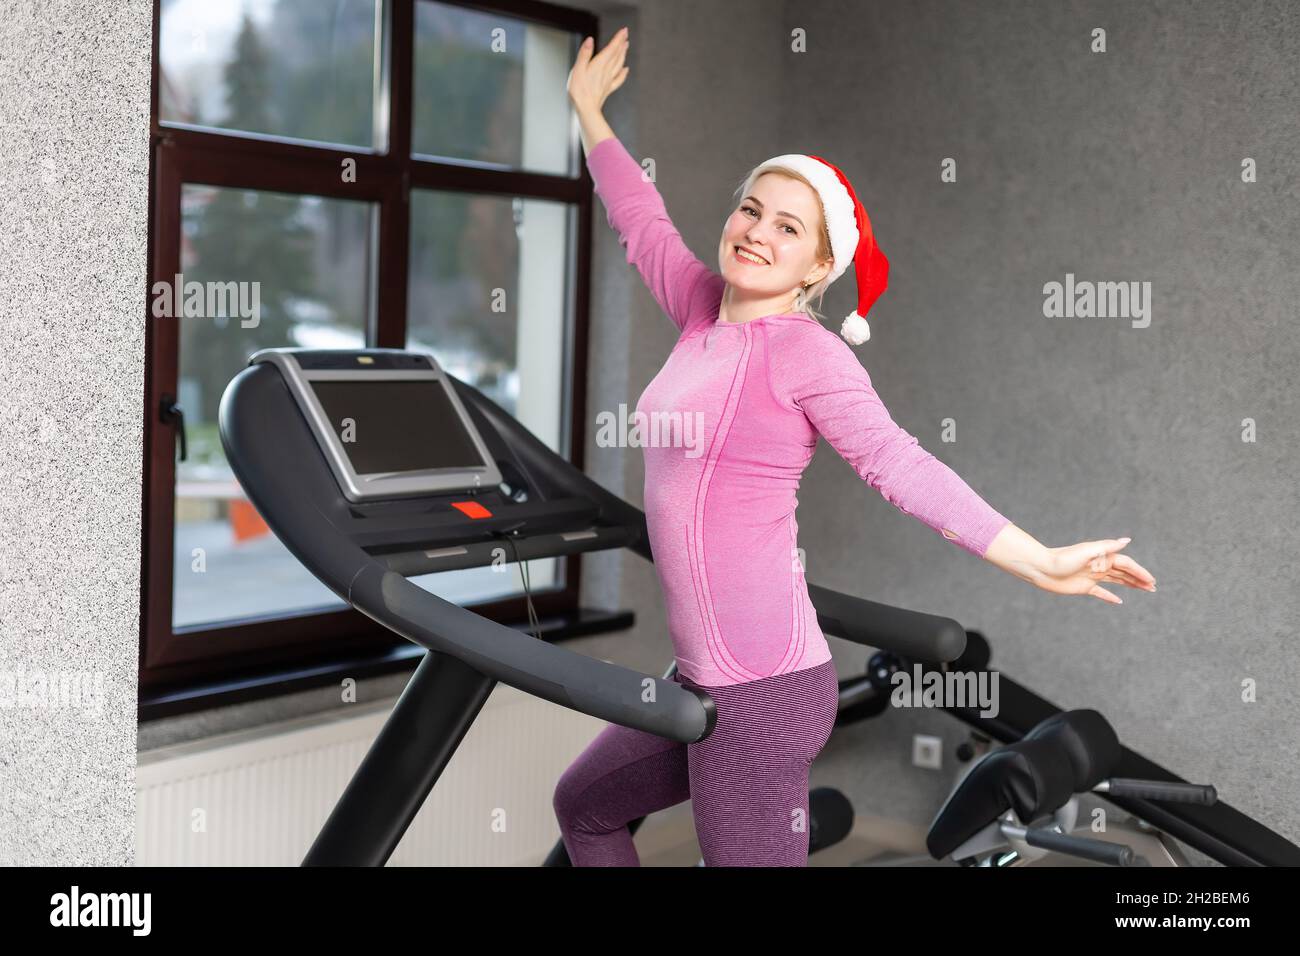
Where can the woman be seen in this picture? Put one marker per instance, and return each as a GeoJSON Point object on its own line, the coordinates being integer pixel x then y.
{"type": "Point", "coordinates": [765, 378]}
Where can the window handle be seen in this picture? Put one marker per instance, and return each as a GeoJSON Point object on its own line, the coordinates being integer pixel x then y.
{"type": "Point", "coordinates": [170, 413]}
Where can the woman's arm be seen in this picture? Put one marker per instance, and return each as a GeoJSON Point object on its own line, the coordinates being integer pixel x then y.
{"type": "Point", "coordinates": [1017, 552]}
{"type": "Point", "coordinates": [816, 372]}
{"type": "Point", "coordinates": [594, 129]}
{"type": "Point", "coordinates": [681, 284]}
{"type": "Point", "coordinates": [826, 381]}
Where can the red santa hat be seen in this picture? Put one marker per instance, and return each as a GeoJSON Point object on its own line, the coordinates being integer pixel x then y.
{"type": "Point", "coordinates": [852, 239]}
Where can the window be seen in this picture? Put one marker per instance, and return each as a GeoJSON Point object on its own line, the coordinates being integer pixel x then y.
{"type": "Point", "coordinates": [346, 174]}
{"type": "Point", "coordinates": [310, 259]}
{"type": "Point", "coordinates": [456, 86]}
{"type": "Point", "coordinates": [289, 69]}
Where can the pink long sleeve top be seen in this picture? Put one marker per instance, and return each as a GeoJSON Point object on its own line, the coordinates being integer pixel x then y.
{"type": "Point", "coordinates": [728, 426]}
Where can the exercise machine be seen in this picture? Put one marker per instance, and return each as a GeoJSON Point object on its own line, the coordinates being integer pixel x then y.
{"type": "Point", "coordinates": [376, 465]}
{"type": "Point", "coordinates": [373, 466]}
{"type": "Point", "coordinates": [1021, 801]}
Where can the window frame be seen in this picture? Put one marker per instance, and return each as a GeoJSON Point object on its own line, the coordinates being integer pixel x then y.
{"type": "Point", "coordinates": [172, 658]}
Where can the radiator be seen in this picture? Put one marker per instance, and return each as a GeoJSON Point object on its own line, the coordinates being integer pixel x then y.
{"type": "Point", "coordinates": [258, 798]}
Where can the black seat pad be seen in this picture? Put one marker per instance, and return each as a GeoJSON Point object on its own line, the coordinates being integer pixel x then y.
{"type": "Point", "coordinates": [1067, 753]}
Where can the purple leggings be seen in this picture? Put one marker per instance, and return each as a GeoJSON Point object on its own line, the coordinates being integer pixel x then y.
{"type": "Point", "coordinates": [747, 781]}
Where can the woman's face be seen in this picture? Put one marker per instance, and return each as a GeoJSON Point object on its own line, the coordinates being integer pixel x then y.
{"type": "Point", "coordinates": [779, 221]}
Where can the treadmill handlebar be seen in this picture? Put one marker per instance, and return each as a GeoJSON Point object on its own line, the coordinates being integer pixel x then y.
{"type": "Point", "coordinates": [608, 691]}
{"type": "Point", "coordinates": [915, 635]}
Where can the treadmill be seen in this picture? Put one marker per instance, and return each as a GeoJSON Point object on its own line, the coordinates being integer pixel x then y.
{"type": "Point", "coordinates": [375, 465]}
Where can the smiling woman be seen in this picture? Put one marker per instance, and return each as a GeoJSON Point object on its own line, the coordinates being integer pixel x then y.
{"type": "Point", "coordinates": [778, 227]}
{"type": "Point", "coordinates": [801, 216]}
{"type": "Point", "coordinates": [766, 379]}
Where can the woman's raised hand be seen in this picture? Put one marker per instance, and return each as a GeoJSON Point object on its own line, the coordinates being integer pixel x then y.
{"type": "Point", "coordinates": [593, 78]}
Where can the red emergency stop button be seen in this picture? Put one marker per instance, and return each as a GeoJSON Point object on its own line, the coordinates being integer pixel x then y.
{"type": "Point", "coordinates": [472, 509]}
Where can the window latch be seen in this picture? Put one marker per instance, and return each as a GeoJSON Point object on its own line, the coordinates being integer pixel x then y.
{"type": "Point", "coordinates": [170, 413]}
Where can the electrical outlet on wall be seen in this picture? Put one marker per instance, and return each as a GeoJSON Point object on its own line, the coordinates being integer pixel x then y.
{"type": "Point", "coordinates": [927, 751]}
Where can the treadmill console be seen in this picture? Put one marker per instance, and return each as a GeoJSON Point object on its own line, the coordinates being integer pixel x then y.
{"type": "Point", "coordinates": [389, 422]}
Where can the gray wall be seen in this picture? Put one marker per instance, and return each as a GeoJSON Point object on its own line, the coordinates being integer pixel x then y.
{"type": "Point", "coordinates": [74, 122]}
{"type": "Point", "coordinates": [1115, 166]}
{"type": "Point", "coordinates": [1122, 166]}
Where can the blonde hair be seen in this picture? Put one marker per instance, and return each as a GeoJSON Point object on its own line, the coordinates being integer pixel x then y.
{"type": "Point", "coordinates": [808, 298]}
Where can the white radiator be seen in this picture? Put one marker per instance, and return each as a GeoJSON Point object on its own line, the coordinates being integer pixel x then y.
{"type": "Point", "coordinates": [259, 798]}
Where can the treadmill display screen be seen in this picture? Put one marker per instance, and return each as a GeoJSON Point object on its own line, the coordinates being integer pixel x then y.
{"type": "Point", "coordinates": [397, 426]}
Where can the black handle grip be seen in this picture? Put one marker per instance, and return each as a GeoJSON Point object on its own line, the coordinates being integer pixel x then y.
{"type": "Point", "coordinates": [918, 636]}
{"type": "Point", "coordinates": [1112, 854]}
{"type": "Point", "coordinates": [1202, 793]}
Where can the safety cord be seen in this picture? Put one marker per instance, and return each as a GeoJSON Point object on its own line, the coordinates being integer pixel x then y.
{"type": "Point", "coordinates": [533, 620]}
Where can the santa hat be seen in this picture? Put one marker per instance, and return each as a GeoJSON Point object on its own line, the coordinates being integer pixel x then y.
{"type": "Point", "coordinates": [851, 237]}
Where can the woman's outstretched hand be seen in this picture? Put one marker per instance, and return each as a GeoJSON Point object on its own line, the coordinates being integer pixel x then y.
{"type": "Point", "coordinates": [1081, 568]}
{"type": "Point", "coordinates": [593, 78]}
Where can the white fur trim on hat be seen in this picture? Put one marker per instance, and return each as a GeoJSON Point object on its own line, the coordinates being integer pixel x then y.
{"type": "Point", "coordinates": [841, 217]}
{"type": "Point", "coordinates": [855, 329]}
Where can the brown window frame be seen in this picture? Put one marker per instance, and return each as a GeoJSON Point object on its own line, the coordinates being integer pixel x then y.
{"type": "Point", "coordinates": [174, 658]}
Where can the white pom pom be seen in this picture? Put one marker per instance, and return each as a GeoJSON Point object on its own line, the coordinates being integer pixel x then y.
{"type": "Point", "coordinates": [855, 329]}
